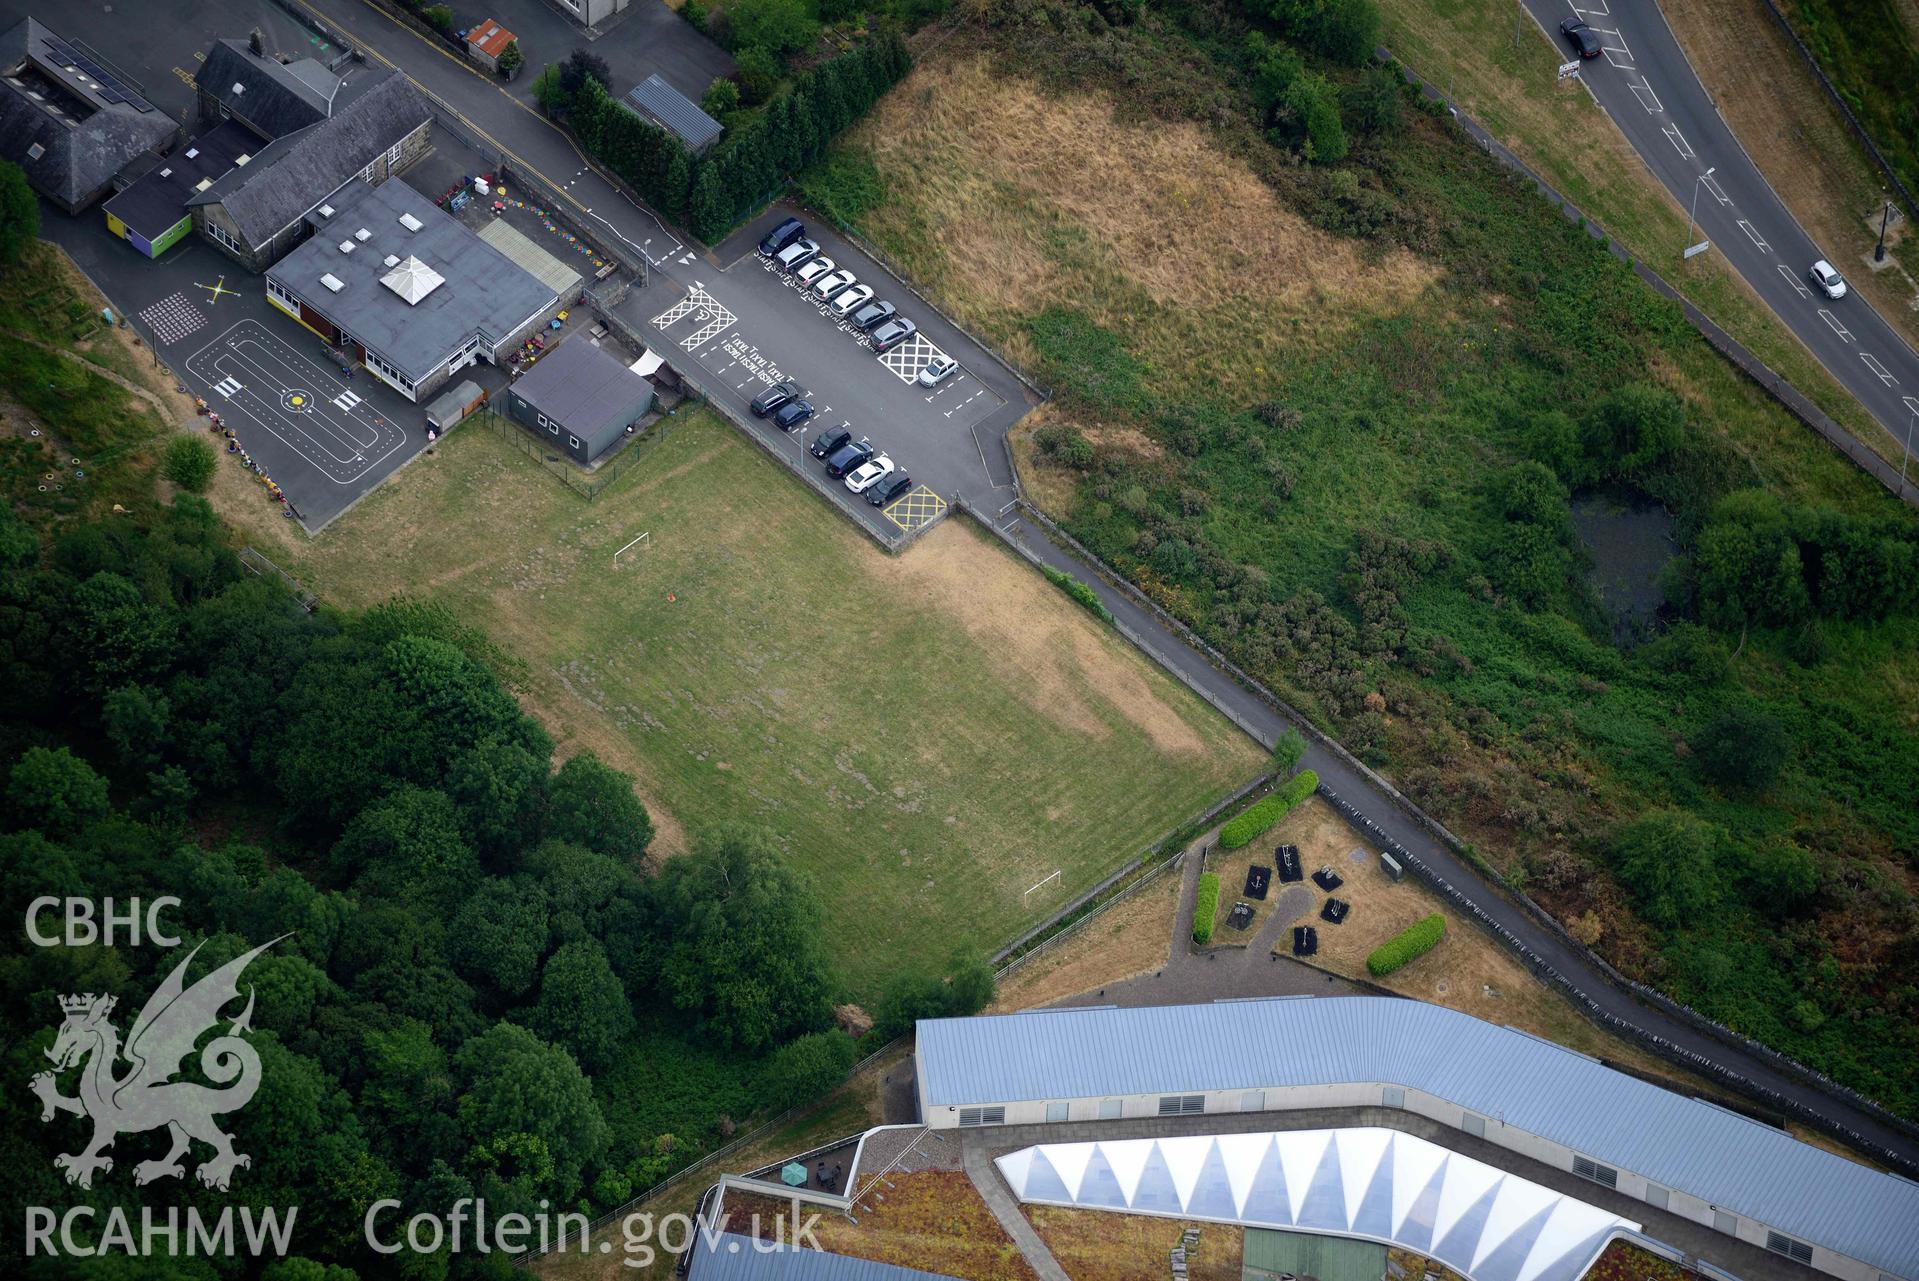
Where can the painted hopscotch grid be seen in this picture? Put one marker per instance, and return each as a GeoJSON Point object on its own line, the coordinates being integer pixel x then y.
{"type": "Point", "coordinates": [173, 318]}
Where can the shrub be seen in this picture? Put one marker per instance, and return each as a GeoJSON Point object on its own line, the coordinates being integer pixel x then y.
{"type": "Point", "coordinates": [1743, 747]}
{"type": "Point", "coordinates": [189, 463]}
{"type": "Point", "coordinates": [439, 17]}
{"type": "Point", "coordinates": [1205, 907]}
{"type": "Point", "coordinates": [1408, 945]}
{"type": "Point", "coordinates": [1268, 811]}
{"type": "Point", "coordinates": [19, 212]}
{"type": "Point", "coordinates": [1079, 591]}
{"type": "Point", "coordinates": [721, 98]}
{"type": "Point", "coordinates": [510, 59]}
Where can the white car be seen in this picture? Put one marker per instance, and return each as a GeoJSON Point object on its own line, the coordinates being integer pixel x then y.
{"type": "Point", "coordinates": [869, 474]}
{"type": "Point", "coordinates": [851, 298]}
{"type": "Point", "coordinates": [827, 286]}
{"type": "Point", "coordinates": [937, 370]}
{"type": "Point", "coordinates": [796, 253]}
{"type": "Point", "coordinates": [1828, 280]}
{"type": "Point", "coordinates": [815, 269]}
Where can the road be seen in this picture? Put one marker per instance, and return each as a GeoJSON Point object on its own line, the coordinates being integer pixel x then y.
{"type": "Point", "coordinates": [1644, 82]}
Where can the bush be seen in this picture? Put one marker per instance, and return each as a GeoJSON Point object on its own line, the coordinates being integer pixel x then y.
{"type": "Point", "coordinates": [439, 17]}
{"type": "Point", "coordinates": [1205, 907]}
{"type": "Point", "coordinates": [510, 59]}
{"type": "Point", "coordinates": [721, 98]}
{"type": "Point", "coordinates": [806, 1068]}
{"type": "Point", "coordinates": [1079, 591]}
{"type": "Point", "coordinates": [19, 212]}
{"type": "Point", "coordinates": [1408, 945]}
{"type": "Point", "coordinates": [1249, 825]}
{"type": "Point", "coordinates": [189, 463]}
{"type": "Point", "coordinates": [1743, 747]}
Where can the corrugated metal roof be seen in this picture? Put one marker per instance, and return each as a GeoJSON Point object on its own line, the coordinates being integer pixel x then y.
{"type": "Point", "coordinates": [1740, 1165]}
{"type": "Point", "coordinates": [673, 109]}
{"type": "Point", "coordinates": [733, 1258]}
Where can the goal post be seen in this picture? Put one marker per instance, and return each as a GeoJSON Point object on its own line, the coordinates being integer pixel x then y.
{"type": "Point", "coordinates": [642, 541]}
{"type": "Point", "coordinates": [1051, 878]}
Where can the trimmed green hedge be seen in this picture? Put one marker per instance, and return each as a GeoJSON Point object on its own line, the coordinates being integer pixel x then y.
{"type": "Point", "coordinates": [1079, 591]}
{"type": "Point", "coordinates": [1205, 908]}
{"type": "Point", "coordinates": [1406, 946]}
{"type": "Point", "coordinates": [1257, 818]}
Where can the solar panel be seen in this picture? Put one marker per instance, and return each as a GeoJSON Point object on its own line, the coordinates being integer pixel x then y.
{"type": "Point", "coordinates": [109, 86]}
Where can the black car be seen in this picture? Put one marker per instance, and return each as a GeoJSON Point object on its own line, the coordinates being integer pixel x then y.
{"type": "Point", "coordinates": [889, 490]}
{"type": "Point", "coordinates": [775, 396]}
{"type": "Point", "coordinates": [847, 457]}
{"type": "Point", "coordinates": [893, 333]}
{"type": "Point", "coordinates": [872, 314]}
{"type": "Point", "coordinates": [782, 236]}
{"type": "Point", "coordinates": [1585, 41]}
{"type": "Point", "coordinates": [792, 414]}
{"type": "Point", "coordinates": [830, 442]}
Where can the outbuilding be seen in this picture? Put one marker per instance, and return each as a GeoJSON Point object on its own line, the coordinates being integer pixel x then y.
{"type": "Point", "coordinates": [580, 398]}
{"type": "Point", "coordinates": [676, 113]}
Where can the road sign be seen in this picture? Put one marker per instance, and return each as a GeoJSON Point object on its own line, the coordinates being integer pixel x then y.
{"type": "Point", "coordinates": [1569, 70]}
{"type": "Point", "coordinates": [1700, 248]}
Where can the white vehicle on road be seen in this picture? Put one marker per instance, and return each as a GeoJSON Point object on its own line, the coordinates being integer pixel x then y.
{"type": "Point", "coordinates": [1829, 281]}
{"type": "Point", "coordinates": [869, 474]}
{"type": "Point", "coordinates": [814, 269]}
{"type": "Point", "coordinates": [937, 370]}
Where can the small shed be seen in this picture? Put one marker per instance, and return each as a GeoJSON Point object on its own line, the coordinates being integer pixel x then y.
{"type": "Point", "coordinates": [579, 397]}
{"type": "Point", "coordinates": [486, 42]}
{"type": "Point", "coordinates": [451, 407]}
{"type": "Point", "coordinates": [674, 112]}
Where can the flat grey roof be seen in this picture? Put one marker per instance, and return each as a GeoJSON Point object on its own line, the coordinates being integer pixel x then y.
{"type": "Point", "coordinates": [675, 111]}
{"type": "Point", "coordinates": [152, 205]}
{"type": "Point", "coordinates": [1732, 1162]}
{"type": "Point", "coordinates": [586, 389]}
{"type": "Point", "coordinates": [482, 289]}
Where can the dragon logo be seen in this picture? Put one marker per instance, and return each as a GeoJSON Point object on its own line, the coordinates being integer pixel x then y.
{"type": "Point", "coordinates": [145, 1098]}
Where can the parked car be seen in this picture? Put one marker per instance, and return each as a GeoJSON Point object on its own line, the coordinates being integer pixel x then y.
{"type": "Point", "coordinates": [937, 370]}
{"type": "Point", "coordinates": [813, 269]}
{"type": "Point", "coordinates": [828, 285]}
{"type": "Point", "coordinates": [873, 313]}
{"type": "Point", "coordinates": [792, 414]}
{"type": "Point", "coordinates": [1829, 281]}
{"type": "Point", "coordinates": [847, 457]}
{"type": "Point", "coordinates": [893, 333]}
{"type": "Point", "coordinates": [796, 253]}
{"type": "Point", "coordinates": [1584, 40]}
{"type": "Point", "coordinates": [849, 299]}
{"type": "Point", "coordinates": [890, 490]}
{"type": "Point", "coordinates": [869, 474]}
{"type": "Point", "coordinates": [775, 396]}
{"type": "Point", "coordinates": [831, 442]}
{"type": "Point", "coordinates": [782, 236]}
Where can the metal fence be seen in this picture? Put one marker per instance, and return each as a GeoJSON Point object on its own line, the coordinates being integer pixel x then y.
{"type": "Point", "coordinates": [587, 484]}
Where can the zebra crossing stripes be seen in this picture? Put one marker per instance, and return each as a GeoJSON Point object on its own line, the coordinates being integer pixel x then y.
{"type": "Point", "coordinates": [227, 386]}
{"type": "Point", "coordinates": [346, 400]}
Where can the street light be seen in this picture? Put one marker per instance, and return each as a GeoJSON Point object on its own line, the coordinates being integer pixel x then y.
{"type": "Point", "coordinates": [1692, 214]}
{"type": "Point", "coordinates": [1879, 250]}
{"type": "Point", "coordinates": [1908, 455]}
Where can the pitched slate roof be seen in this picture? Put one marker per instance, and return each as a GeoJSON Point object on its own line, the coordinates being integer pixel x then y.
{"type": "Point", "coordinates": [269, 95]}
{"type": "Point", "coordinates": [660, 101]}
{"type": "Point", "coordinates": [297, 171]}
{"type": "Point", "coordinates": [63, 154]}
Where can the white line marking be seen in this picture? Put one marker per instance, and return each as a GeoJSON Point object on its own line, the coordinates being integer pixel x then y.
{"type": "Point", "coordinates": [1678, 140]}
{"type": "Point", "coordinates": [1879, 369]}
{"type": "Point", "coordinates": [1837, 328]}
{"type": "Point", "coordinates": [1911, 404]}
{"type": "Point", "coordinates": [1793, 280]}
{"type": "Point", "coordinates": [1752, 234]}
{"type": "Point", "coordinates": [1647, 98]}
{"type": "Point", "coordinates": [1718, 192]}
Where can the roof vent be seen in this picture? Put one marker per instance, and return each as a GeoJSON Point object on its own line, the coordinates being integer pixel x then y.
{"type": "Point", "coordinates": [238, 87]}
{"type": "Point", "coordinates": [363, 235]}
{"type": "Point", "coordinates": [347, 246]}
{"type": "Point", "coordinates": [192, 152]}
{"type": "Point", "coordinates": [332, 282]}
{"type": "Point", "coordinates": [36, 151]}
{"type": "Point", "coordinates": [241, 160]}
{"type": "Point", "coordinates": [326, 211]}
{"type": "Point", "coordinates": [166, 173]}
{"type": "Point", "coordinates": [411, 223]}
{"type": "Point", "coordinates": [392, 260]}
{"type": "Point", "coordinates": [203, 184]}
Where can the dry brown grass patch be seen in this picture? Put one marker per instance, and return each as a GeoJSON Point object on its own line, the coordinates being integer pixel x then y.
{"type": "Point", "coordinates": [1133, 1247]}
{"type": "Point", "coordinates": [1123, 943]}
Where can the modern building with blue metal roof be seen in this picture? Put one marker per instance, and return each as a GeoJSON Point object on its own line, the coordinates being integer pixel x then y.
{"type": "Point", "coordinates": [729, 1256]}
{"type": "Point", "coordinates": [1553, 1105]}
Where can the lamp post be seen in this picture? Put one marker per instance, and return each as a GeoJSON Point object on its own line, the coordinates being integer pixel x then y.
{"type": "Point", "coordinates": [1879, 250]}
{"type": "Point", "coordinates": [1692, 213]}
{"type": "Point", "coordinates": [1908, 454]}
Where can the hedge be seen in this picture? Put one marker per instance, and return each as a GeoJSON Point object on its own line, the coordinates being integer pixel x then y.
{"type": "Point", "coordinates": [1408, 945]}
{"type": "Point", "coordinates": [1086, 596]}
{"type": "Point", "coordinates": [1205, 908]}
{"type": "Point", "coordinates": [1257, 818]}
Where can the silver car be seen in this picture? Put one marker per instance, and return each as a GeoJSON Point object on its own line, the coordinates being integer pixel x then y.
{"type": "Point", "coordinates": [796, 253]}
{"type": "Point", "coordinates": [827, 286]}
{"type": "Point", "coordinates": [814, 269]}
{"type": "Point", "coordinates": [1829, 281]}
{"type": "Point", "coordinates": [937, 370]}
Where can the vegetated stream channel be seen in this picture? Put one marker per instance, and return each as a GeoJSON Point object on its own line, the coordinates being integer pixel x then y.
{"type": "Point", "coordinates": [1630, 541]}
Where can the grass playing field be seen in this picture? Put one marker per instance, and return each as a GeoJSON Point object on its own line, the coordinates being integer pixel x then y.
{"type": "Point", "coordinates": [929, 735]}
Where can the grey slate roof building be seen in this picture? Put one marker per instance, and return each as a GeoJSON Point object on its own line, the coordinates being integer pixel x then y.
{"type": "Point", "coordinates": [674, 112]}
{"type": "Point", "coordinates": [270, 97]}
{"type": "Point", "coordinates": [1685, 1155]}
{"type": "Point", "coordinates": [297, 171]}
{"type": "Point", "coordinates": [70, 123]}
{"type": "Point", "coordinates": [732, 1257]}
{"type": "Point", "coordinates": [416, 294]}
{"type": "Point", "coordinates": [580, 398]}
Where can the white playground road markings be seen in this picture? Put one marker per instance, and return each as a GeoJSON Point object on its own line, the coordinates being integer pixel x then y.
{"type": "Point", "coordinates": [173, 318]}
{"type": "Point", "coordinates": [312, 411]}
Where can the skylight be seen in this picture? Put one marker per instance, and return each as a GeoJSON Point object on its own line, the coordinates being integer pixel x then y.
{"type": "Point", "coordinates": [411, 223]}
{"type": "Point", "coordinates": [326, 211]}
{"type": "Point", "coordinates": [413, 280]}
{"type": "Point", "coordinates": [333, 282]}
{"type": "Point", "coordinates": [362, 235]}
{"type": "Point", "coordinates": [347, 246]}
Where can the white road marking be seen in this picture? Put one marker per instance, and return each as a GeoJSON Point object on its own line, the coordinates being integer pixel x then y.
{"type": "Point", "coordinates": [1647, 98]}
{"type": "Point", "coordinates": [1837, 328]}
{"type": "Point", "coordinates": [1911, 404]}
{"type": "Point", "coordinates": [1879, 369]}
{"type": "Point", "coordinates": [1584, 11]}
{"type": "Point", "coordinates": [1678, 140]}
{"type": "Point", "coordinates": [1792, 279]}
{"type": "Point", "coordinates": [717, 319]}
{"type": "Point", "coordinates": [1718, 192]}
{"type": "Point", "coordinates": [227, 386]}
{"type": "Point", "coordinates": [1753, 235]}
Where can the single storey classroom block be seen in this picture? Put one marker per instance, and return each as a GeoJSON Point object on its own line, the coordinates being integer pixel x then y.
{"type": "Point", "coordinates": [580, 398]}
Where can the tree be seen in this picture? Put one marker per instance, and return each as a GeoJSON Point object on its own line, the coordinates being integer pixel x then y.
{"type": "Point", "coordinates": [591, 804]}
{"type": "Point", "coordinates": [1743, 747]}
{"type": "Point", "coordinates": [510, 59]}
{"type": "Point", "coordinates": [1308, 116]}
{"type": "Point", "coordinates": [115, 635]}
{"type": "Point", "coordinates": [135, 720]}
{"type": "Point", "coordinates": [513, 1083]}
{"type": "Point", "coordinates": [19, 213]}
{"type": "Point", "coordinates": [807, 1067]}
{"type": "Point", "coordinates": [1632, 430]}
{"type": "Point", "coordinates": [499, 789]}
{"type": "Point", "coordinates": [777, 26]}
{"type": "Point", "coordinates": [407, 844]}
{"type": "Point", "coordinates": [499, 935]}
{"type": "Point", "coordinates": [1670, 862]}
{"type": "Point", "coordinates": [1371, 104]}
{"type": "Point", "coordinates": [759, 73]}
{"type": "Point", "coordinates": [721, 98]}
{"type": "Point", "coordinates": [1747, 566]}
{"type": "Point", "coordinates": [708, 214]}
{"type": "Point", "coordinates": [55, 791]}
{"type": "Point", "coordinates": [579, 67]}
{"type": "Point", "coordinates": [582, 1005]}
{"type": "Point", "coordinates": [1288, 750]}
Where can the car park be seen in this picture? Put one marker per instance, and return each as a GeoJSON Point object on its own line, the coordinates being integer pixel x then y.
{"type": "Point", "coordinates": [828, 285]}
{"type": "Point", "coordinates": [893, 333]}
{"type": "Point", "coordinates": [831, 442]}
{"type": "Point", "coordinates": [773, 397]}
{"type": "Point", "coordinates": [813, 269]}
{"type": "Point", "coordinates": [869, 474]}
{"type": "Point", "coordinates": [1584, 40]}
{"type": "Point", "coordinates": [1830, 282]}
{"type": "Point", "coordinates": [848, 299]}
{"type": "Point", "coordinates": [889, 491]}
{"type": "Point", "coordinates": [792, 414]}
{"type": "Point", "coordinates": [796, 253]}
{"type": "Point", "coordinates": [847, 457]}
{"type": "Point", "coordinates": [782, 236]}
{"type": "Point", "coordinates": [937, 370]}
{"type": "Point", "coordinates": [872, 314]}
